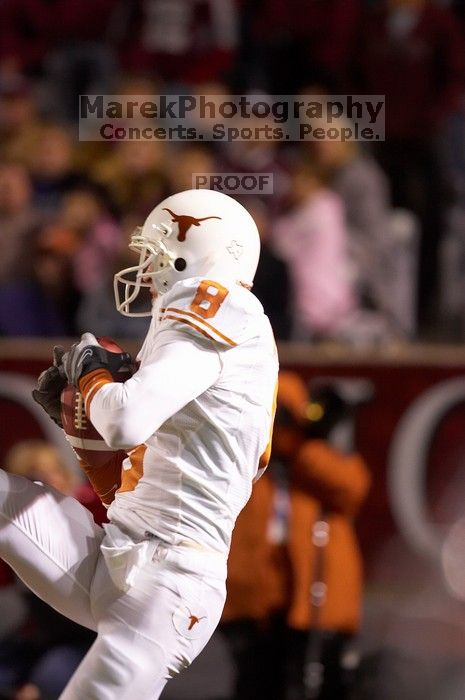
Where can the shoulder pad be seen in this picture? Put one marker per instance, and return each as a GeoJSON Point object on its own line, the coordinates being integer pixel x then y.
{"type": "Point", "coordinates": [225, 314]}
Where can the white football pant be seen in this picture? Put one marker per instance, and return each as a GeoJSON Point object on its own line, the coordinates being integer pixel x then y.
{"type": "Point", "coordinates": [153, 606]}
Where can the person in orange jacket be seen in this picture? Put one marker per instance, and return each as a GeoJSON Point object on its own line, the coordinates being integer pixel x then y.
{"type": "Point", "coordinates": [295, 570]}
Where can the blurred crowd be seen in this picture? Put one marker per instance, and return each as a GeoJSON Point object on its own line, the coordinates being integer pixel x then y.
{"type": "Point", "coordinates": [363, 245]}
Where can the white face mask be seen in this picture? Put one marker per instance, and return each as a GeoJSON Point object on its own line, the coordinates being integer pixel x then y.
{"type": "Point", "coordinates": [154, 260]}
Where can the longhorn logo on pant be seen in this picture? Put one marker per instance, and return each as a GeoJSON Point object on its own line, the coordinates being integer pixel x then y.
{"type": "Point", "coordinates": [194, 620]}
{"type": "Point", "coordinates": [185, 222]}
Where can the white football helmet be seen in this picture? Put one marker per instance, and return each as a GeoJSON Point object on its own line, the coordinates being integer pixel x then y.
{"type": "Point", "coordinates": [197, 233]}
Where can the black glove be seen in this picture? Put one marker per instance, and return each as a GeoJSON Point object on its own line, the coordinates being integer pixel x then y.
{"type": "Point", "coordinates": [50, 384]}
{"type": "Point", "coordinates": [88, 355]}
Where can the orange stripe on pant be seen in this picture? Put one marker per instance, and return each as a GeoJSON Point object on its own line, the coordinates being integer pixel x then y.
{"type": "Point", "coordinates": [130, 477]}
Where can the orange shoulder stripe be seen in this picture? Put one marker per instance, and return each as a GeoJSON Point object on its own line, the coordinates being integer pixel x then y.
{"type": "Point", "coordinates": [204, 323]}
{"type": "Point", "coordinates": [189, 323]}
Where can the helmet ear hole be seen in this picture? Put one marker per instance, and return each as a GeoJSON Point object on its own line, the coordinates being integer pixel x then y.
{"type": "Point", "coordinates": [180, 264]}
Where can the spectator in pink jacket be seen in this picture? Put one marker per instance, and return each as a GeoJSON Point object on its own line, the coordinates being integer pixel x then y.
{"type": "Point", "coordinates": [313, 239]}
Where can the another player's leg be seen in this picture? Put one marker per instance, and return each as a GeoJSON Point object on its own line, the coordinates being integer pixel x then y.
{"type": "Point", "coordinates": [51, 542]}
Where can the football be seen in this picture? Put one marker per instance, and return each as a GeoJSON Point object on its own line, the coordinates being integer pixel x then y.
{"type": "Point", "coordinates": [87, 443]}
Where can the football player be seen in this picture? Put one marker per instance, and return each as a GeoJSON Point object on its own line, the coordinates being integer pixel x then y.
{"type": "Point", "coordinates": [194, 422]}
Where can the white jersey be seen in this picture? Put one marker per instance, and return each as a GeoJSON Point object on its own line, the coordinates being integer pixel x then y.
{"type": "Point", "coordinates": [200, 407]}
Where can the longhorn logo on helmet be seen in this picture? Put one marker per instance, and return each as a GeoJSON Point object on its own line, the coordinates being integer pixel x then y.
{"type": "Point", "coordinates": [185, 222]}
